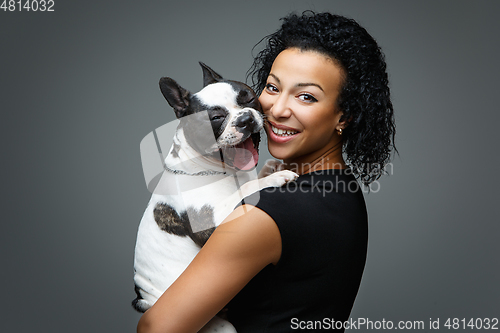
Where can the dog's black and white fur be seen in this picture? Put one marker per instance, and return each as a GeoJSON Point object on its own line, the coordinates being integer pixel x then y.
{"type": "Point", "coordinates": [166, 240]}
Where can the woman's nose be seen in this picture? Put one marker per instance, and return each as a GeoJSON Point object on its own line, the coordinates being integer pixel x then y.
{"type": "Point", "coordinates": [280, 107]}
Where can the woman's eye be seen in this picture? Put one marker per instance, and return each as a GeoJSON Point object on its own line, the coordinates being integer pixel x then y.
{"type": "Point", "coordinates": [307, 98]}
{"type": "Point", "coordinates": [271, 87]}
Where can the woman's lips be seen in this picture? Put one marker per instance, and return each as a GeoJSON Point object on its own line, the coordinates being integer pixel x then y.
{"type": "Point", "coordinates": [280, 133]}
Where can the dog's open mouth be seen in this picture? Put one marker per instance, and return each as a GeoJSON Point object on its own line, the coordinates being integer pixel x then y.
{"type": "Point", "coordinates": [245, 155]}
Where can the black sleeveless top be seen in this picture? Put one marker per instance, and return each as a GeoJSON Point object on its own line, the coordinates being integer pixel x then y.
{"type": "Point", "coordinates": [324, 230]}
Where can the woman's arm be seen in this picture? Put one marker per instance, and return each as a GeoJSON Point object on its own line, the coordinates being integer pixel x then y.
{"type": "Point", "coordinates": [237, 250]}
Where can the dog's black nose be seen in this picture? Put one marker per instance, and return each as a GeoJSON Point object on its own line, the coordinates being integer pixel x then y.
{"type": "Point", "coordinates": [246, 121]}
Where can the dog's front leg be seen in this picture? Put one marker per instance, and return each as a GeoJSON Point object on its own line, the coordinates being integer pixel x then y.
{"type": "Point", "coordinates": [275, 179]}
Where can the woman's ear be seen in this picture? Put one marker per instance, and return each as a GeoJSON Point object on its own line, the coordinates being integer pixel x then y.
{"type": "Point", "coordinates": [342, 124]}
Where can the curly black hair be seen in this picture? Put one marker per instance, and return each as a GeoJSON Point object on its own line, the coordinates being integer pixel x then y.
{"type": "Point", "coordinates": [365, 97]}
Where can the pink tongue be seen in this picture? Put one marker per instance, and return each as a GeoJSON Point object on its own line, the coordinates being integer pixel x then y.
{"type": "Point", "coordinates": [246, 156]}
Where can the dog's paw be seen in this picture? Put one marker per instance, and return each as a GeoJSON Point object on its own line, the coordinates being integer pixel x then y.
{"type": "Point", "coordinates": [141, 305]}
{"type": "Point", "coordinates": [218, 325]}
{"type": "Point", "coordinates": [270, 167]}
{"type": "Point", "coordinates": [280, 178]}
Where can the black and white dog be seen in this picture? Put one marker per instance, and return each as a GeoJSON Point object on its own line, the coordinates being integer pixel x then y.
{"type": "Point", "coordinates": [209, 169]}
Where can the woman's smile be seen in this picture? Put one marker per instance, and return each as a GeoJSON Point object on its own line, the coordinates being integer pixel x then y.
{"type": "Point", "coordinates": [280, 133]}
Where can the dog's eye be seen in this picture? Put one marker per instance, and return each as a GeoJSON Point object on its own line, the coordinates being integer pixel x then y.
{"type": "Point", "coordinates": [245, 97]}
{"type": "Point", "coordinates": [217, 117]}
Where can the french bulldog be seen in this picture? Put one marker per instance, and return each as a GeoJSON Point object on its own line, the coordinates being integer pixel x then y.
{"type": "Point", "coordinates": [209, 169]}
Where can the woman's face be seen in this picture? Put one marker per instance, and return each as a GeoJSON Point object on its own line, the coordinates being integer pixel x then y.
{"type": "Point", "coordinates": [299, 100]}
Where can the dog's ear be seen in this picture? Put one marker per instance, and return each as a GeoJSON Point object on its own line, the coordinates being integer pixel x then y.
{"type": "Point", "coordinates": [209, 76]}
{"type": "Point", "coordinates": [176, 96]}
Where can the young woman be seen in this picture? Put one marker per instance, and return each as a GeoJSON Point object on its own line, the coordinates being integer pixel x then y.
{"type": "Point", "coordinates": [294, 259]}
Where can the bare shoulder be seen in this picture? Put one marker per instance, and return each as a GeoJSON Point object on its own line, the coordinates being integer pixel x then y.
{"type": "Point", "coordinates": [249, 232]}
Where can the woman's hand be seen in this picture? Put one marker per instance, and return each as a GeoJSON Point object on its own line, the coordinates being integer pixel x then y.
{"type": "Point", "coordinates": [234, 254]}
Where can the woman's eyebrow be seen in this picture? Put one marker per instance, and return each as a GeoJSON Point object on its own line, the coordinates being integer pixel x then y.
{"type": "Point", "coordinates": [298, 84]}
{"type": "Point", "coordinates": [275, 77]}
{"type": "Point", "coordinates": [310, 84]}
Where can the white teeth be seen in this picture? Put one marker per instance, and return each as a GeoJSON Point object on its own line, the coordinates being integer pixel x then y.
{"type": "Point", "coordinates": [281, 132]}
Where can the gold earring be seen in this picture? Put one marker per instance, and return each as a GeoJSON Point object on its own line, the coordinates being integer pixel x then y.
{"type": "Point", "coordinates": [339, 131]}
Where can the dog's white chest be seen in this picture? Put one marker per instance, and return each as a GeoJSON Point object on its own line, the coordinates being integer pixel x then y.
{"type": "Point", "coordinates": [160, 256]}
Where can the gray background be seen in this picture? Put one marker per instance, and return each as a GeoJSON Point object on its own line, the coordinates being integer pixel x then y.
{"type": "Point", "coordinates": [79, 90]}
